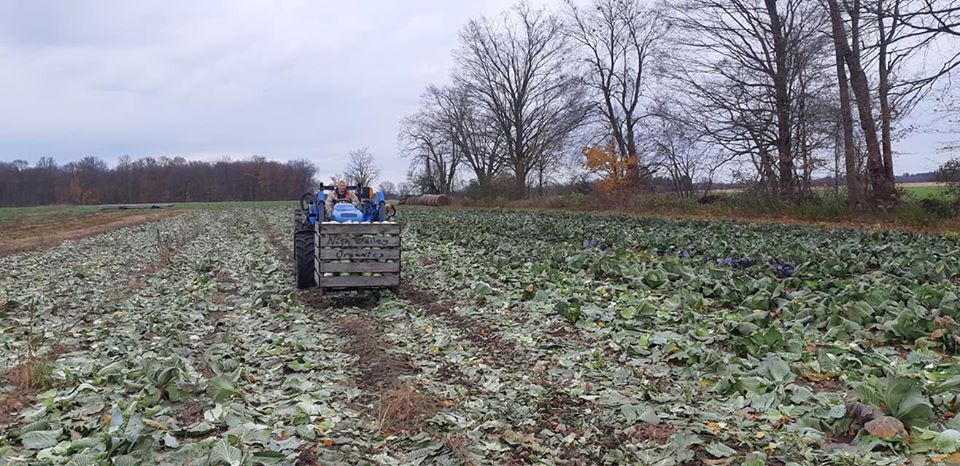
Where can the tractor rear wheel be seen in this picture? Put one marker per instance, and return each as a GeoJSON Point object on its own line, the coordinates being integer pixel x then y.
{"type": "Point", "coordinates": [303, 247]}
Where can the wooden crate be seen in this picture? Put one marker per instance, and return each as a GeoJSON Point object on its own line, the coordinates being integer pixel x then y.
{"type": "Point", "coordinates": [347, 251]}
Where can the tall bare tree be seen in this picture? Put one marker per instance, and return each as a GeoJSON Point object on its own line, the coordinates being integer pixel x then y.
{"type": "Point", "coordinates": [884, 189]}
{"type": "Point", "coordinates": [854, 194]}
{"type": "Point", "coordinates": [476, 139]}
{"type": "Point", "coordinates": [745, 63]}
{"type": "Point", "coordinates": [361, 169]}
{"type": "Point", "coordinates": [681, 151]}
{"type": "Point", "coordinates": [425, 138]}
{"type": "Point", "coordinates": [912, 40]}
{"type": "Point", "coordinates": [517, 69]}
{"type": "Point", "coordinates": [619, 40]}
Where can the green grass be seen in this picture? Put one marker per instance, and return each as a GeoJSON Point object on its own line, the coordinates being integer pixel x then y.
{"type": "Point", "coordinates": [924, 192]}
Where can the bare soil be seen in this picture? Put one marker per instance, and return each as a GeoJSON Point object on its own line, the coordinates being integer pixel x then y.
{"type": "Point", "coordinates": [399, 405]}
{"type": "Point", "coordinates": [13, 403]}
{"type": "Point", "coordinates": [51, 233]}
{"type": "Point", "coordinates": [559, 413]}
{"type": "Point", "coordinates": [378, 368]}
{"type": "Point", "coordinates": [191, 413]}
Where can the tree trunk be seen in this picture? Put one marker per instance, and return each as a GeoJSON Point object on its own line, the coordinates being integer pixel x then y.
{"type": "Point", "coordinates": [882, 190]}
{"type": "Point", "coordinates": [520, 183]}
{"type": "Point", "coordinates": [837, 144]}
{"type": "Point", "coordinates": [633, 168]}
{"type": "Point", "coordinates": [785, 158]}
{"type": "Point", "coordinates": [540, 182]}
{"type": "Point", "coordinates": [849, 152]}
{"type": "Point", "coordinates": [884, 93]}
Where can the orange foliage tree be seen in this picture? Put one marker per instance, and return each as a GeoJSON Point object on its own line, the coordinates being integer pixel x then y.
{"type": "Point", "coordinates": [614, 169]}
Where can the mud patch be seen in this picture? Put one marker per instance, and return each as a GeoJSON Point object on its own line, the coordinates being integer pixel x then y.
{"type": "Point", "coordinates": [11, 405]}
{"type": "Point", "coordinates": [820, 384]}
{"type": "Point", "coordinates": [308, 455]}
{"type": "Point", "coordinates": [362, 299]}
{"type": "Point", "coordinates": [657, 433]}
{"type": "Point", "coordinates": [561, 412]}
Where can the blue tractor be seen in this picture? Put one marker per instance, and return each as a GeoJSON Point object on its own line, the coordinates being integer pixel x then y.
{"type": "Point", "coordinates": [353, 247]}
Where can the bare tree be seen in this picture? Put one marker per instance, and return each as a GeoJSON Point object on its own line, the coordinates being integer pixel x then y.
{"type": "Point", "coordinates": [814, 106]}
{"type": "Point", "coordinates": [929, 21]}
{"type": "Point", "coordinates": [745, 65]}
{"type": "Point", "coordinates": [475, 136]}
{"type": "Point", "coordinates": [681, 151]}
{"type": "Point", "coordinates": [950, 106]}
{"type": "Point", "coordinates": [618, 40]}
{"type": "Point", "coordinates": [434, 158]}
{"type": "Point", "coordinates": [388, 189]}
{"type": "Point", "coordinates": [518, 72]}
{"type": "Point", "coordinates": [854, 194]}
{"type": "Point", "coordinates": [907, 36]}
{"type": "Point", "coordinates": [884, 189]}
{"type": "Point", "coordinates": [360, 169]}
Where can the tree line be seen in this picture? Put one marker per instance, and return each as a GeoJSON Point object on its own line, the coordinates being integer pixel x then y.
{"type": "Point", "coordinates": [771, 91]}
{"type": "Point", "coordinates": [147, 180]}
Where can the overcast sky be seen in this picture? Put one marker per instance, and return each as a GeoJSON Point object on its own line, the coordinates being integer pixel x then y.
{"type": "Point", "coordinates": [202, 79]}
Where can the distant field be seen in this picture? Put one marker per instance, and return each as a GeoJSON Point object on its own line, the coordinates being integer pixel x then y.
{"type": "Point", "coordinates": [235, 204]}
{"type": "Point", "coordinates": [10, 216]}
{"type": "Point", "coordinates": [25, 228]}
{"type": "Point", "coordinates": [17, 223]}
{"type": "Point", "coordinates": [924, 190]}
{"type": "Point", "coordinates": [18, 216]}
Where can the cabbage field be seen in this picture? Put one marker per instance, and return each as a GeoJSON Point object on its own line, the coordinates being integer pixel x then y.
{"type": "Point", "coordinates": [517, 338]}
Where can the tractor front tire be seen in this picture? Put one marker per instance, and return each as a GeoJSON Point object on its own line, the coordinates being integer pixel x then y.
{"type": "Point", "coordinates": [303, 250]}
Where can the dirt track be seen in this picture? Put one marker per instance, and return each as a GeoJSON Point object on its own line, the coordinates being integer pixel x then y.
{"type": "Point", "coordinates": [51, 233]}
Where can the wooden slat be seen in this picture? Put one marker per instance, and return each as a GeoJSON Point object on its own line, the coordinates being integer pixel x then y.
{"type": "Point", "coordinates": [359, 267]}
{"type": "Point", "coordinates": [360, 228]}
{"type": "Point", "coordinates": [359, 281]}
{"type": "Point", "coordinates": [359, 254]}
{"type": "Point", "coordinates": [327, 240]}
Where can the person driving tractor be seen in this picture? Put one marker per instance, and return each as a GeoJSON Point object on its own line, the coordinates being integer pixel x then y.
{"type": "Point", "coordinates": [340, 195]}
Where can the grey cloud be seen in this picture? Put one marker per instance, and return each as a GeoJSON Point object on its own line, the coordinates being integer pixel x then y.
{"type": "Point", "coordinates": [290, 79]}
{"type": "Point", "coordinates": [309, 79]}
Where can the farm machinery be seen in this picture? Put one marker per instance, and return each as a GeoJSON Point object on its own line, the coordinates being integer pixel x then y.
{"type": "Point", "coordinates": [352, 247]}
